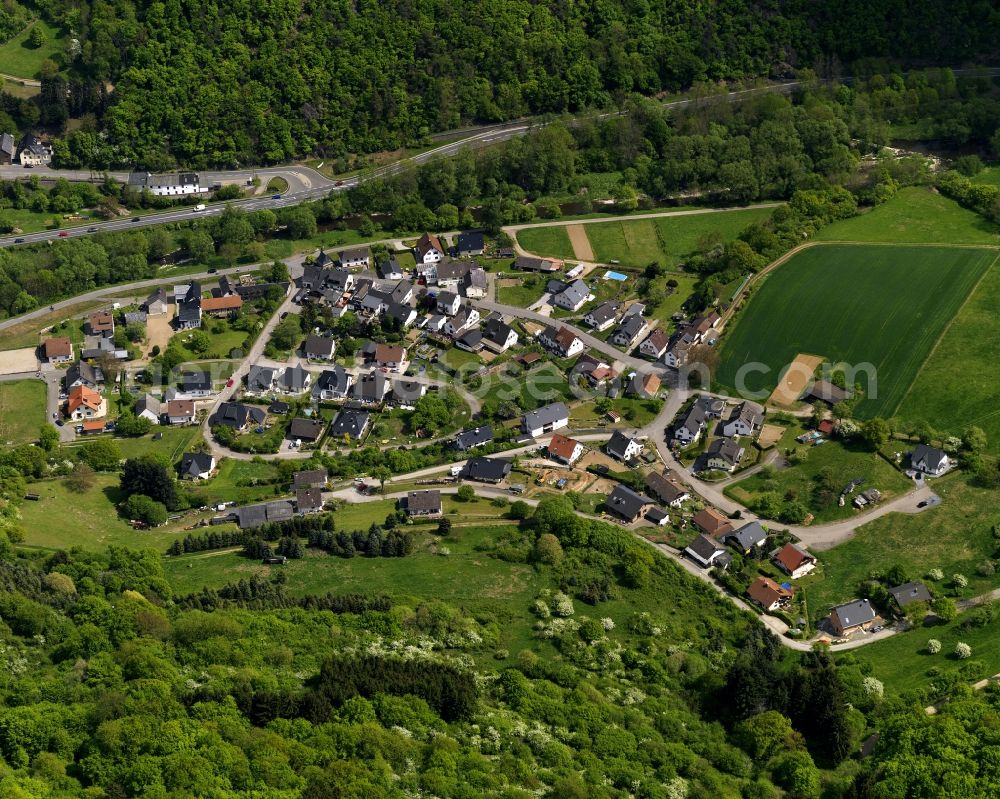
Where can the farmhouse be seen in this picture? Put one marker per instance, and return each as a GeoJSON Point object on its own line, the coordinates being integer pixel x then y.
{"type": "Point", "coordinates": [487, 470]}
{"type": "Point", "coordinates": [768, 594]}
{"type": "Point", "coordinates": [707, 553]}
{"type": "Point", "coordinates": [564, 449]}
{"type": "Point", "coordinates": [222, 307]}
{"type": "Point", "coordinates": [745, 420]}
{"type": "Point", "coordinates": [603, 316]}
{"type": "Point", "coordinates": [251, 516]}
{"type": "Point", "coordinates": [666, 490]}
{"type": "Point", "coordinates": [856, 615]}
{"type": "Point", "coordinates": [712, 523]}
{"type": "Point", "coordinates": [179, 184]}
{"type": "Point", "coordinates": [825, 391]}
{"type": "Point", "coordinates": [626, 503]}
{"type": "Point", "coordinates": [423, 503]}
{"type": "Point", "coordinates": [58, 350]}
{"type": "Point", "coordinates": [929, 460]}
{"type": "Point", "coordinates": [623, 447]}
{"type": "Point", "coordinates": [545, 420]}
{"type": "Point", "coordinates": [794, 561]}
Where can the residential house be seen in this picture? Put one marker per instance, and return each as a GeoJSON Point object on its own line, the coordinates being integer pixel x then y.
{"type": "Point", "coordinates": [596, 371]}
{"type": "Point", "coordinates": [332, 384]}
{"type": "Point", "coordinates": [189, 308]}
{"type": "Point", "coordinates": [573, 297]}
{"type": "Point", "coordinates": [564, 449]}
{"type": "Point", "coordinates": [89, 427]}
{"type": "Point", "coordinates": [324, 261]}
{"type": "Point", "coordinates": [222, 307]}
{"type": "Point", "coordinates": [262, 379]}
{"type": "Point", "coordinates": [854, 616]}
{"type": "Point", "coordinates": [320, 348]}
{"type": "Point", "coordinates": [704, 328]}
{"type": "Point", "coordinates": [351, 424]}
{"type": "Point", "coordinates": [403, 314]}
{"type": "Point", "coordinates": [83, 374]}
{"type": "Point", "coordinates": [908, 593]}
{"type": "Point", "coordinates": [669, 492]}
{"type": "Point", "coordinates": [448, 303]}
{"type": "Point", "coordinates": [644, 386]}
{"type": "Point", "coordinates": [678, 350]}
{"type": "Point", "coordinates": [475, 284]}
{"type": "Point", "coordinates": [85, 403]}
{"type": "Point", "coordinates": [631, 328]}
{"type": "Point", "coordinates": [306, 430]}
{"type": "Point", "coordinates": [424, 503]}
{"type": "Point", "coordinates": [623, 447]}
{"type": "Point", "coordinates": [929, 460]}
{"type": "Point", "coordinates": [477, 437]}
{"type": "Point", "coordinates": [658, 517]}
{"type": "Point", "coordinates": [237, 416]}
{"type": "Point", "coordinates": [429, 249]}
{"type": "Point", "coordinates": [148, 407]}
{"type": "Point", "coordinates": [499, 336]}
{"type": "Point", "coordinates": [339, 279]}
{"type": "Point", "coordinates": [8, 149]}
{"type": "Point", "coordinates": [104, 346]}
{"type": "Point", "coordinates": [371, 389]}
{"type": "Point", "coordinates": [451, 274]}
{"type": "Point", "coordinates": [487, 470]}
{"type": "Point", "coordinates": [180, 411]}
{"type": "Point", "coordinates": [466, 319]}
{"type": "Point", "coordinates": [389, 269]}
{"type": "Point", "coordinates": [196, 384]}
{"type": "Point", "coordinates": [748, 537]}
{"type": "Point", "coordinates": [794, 561]}
{"type": "Point", "coordinates": [294, 380]}
{"type": "Point", "coordinates": [58, 350]}
{"type": "Point", "coordinates": [470, 340]}
{"type": "Point", "coordinates": [603, 316]}
{"type": "Point", "coordinates": [528, 263]}
{"type": "Point", "coordinates": [545, 420]}
{"type": "Point", "coordinates": [692, 425]}
{"type": "Point", "coordinates": [33, 151]}
{"type": "Point", "coordinates": [768, 594]}
{"type": "Point", "coordinates": [309, 478]}
{"type": "Point", "coordinates": [391, 357]}
{"type": "Point", "coordinates": [564, 342]}
{"type": "Point", "coordinates": [156, 304]}
{"type": "Point", "coordinates": [826, 392]}
{"type": "Point", "coordinates": [470, 242]}
{"type": "Point", "coordinates": [655, 344]}
{"type": "Point", "coordinates": [707, 553]}
{"type": "Point", "coordinates": [712, 523]}
{"type": "Point", "coordinates": [745, 420]}
{"type": "Point", "coordinates": [407, 392]}
{"type": "Point", "coordinates": [101, 323]}
{"type": "Point", "coordinates": [724, 454]}
{"type": "Point", "coordinates": [197, 466]}
{"type": "Point", "coordinates": [308, 500]}
{"type": "Point", "coordinates": [354, 257]}
{"type": "Point", "coordinates": [626, 503]}
{"type": "Point", "coordinates": [179, 184]}
{"type": "Point", "coordinates": [402, 292]}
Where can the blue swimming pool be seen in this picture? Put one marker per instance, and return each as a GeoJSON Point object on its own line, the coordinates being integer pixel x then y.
{"type": "Point", "coordinates": [609, 275]}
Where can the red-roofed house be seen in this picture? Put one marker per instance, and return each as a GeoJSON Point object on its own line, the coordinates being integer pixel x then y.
{"type": "Point", "coordinates": [565, 449]}
{"type": "Point", "coordinates": [794, 561]}
{"type": "Point", "coordinates": [768, 594]}
{"type": "Point", "coordinates": [58, 350]}
{"type": "Point", "coordinates": [85, 403]}
{"type": "Point", "coordinates": [222, 306]}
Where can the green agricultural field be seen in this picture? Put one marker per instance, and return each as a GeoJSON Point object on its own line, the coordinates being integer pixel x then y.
{"type": "Point", "coordinates": [22, 410]}
{"type": "Point", "coordinates": [817, 480]}
{"type": "Point", "coordinates": [956, 387]}
{"type": "Point", "coordinates": [20, 59]}
{"type": "Point", "coordinates": [955, 537]}
{"type": "Point", "coordinates": [881, 305]}
{"type": "Point", "coordinates": [916, 215]}
{"type": "Point", "coordinates": [549, 241]}
{"type": "Point", "coordinates": [670, 239]}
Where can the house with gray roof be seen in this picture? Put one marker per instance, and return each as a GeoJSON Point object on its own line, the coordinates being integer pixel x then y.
{"type": "Point", "coordinates": [294, 380]}
{"type": "Point", "coordinates": [603, 316]}
{"type": "Point", "coordinates": [573, 297]}
{"type": "Point", "coordinates": [476, 437]}
{"type": "Point", "coordinates": [908, 593]}
{"type": "Point", "coordinates": [354, 257]}
{"type": "Point", "coordinates": [546, 419]}
{"type": "Point", "coordinates": [626, 503]}
{"type": "Point", "coordinates": [196, 466]}
{"type": "Point", "coordinates": [407, 392]}
{"type": "Point", "coordinates": [262, 379]}
{"type": "Point", "coordinates": [148, 407]}
{"type": "Point", "coordinates": [252, 516]}
{"type": "Point", "coordinates": [371, 389]}
{"type": "Point", "coordinates": [332, 384]}
{"type": "Point", "coordinates": [747, 537]}
{"type": "Point", "coordinates": [238, 416]}
{"type": "Point", "coordinates": [827, 392]}
{"type": "Point", "coordinates": [424, 503]}
{"type": "Point", "coordinates": [487, 470]}
{"type": "Point", "coordinates": [723, 454]}
{"type": "Point", "coordinates": [929, 460]}
{"type": "Point", "coordinates": [692, 425]}
{"type": "Point", "coordinates": [629, 331]}
{"type": "Point", "coordinates": [321, 348]}
{"type": "Point", "coordinates": [745, 420]}
{"type": "Point", "coordinates": [854, 616]}
{"type": "Point", "coordinates": [350, 422]}
{"type": "Point", "coordinates": [707, 553]}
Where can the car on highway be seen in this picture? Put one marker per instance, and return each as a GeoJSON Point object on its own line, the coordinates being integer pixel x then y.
{"type": "Point", "coordinates": [135, 219]}
{"type": "Point", "coordinates": [63, 234]}
{"type": "Point", "coordinates": [275, 196]}
{"type": "Point", "coordinates": [92, 230]}
{"type": "Point", "coordinates": [19, 241]}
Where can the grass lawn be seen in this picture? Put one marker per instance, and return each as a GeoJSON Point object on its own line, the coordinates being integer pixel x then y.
{"type": "Point", "coordinates": [669, 240]}
{"type": "Point", "coordinates": [956, 386]}
{"type": "Point", "coordinates": [670, 303]}
{"type": "Point", "coordinates": [990, 176]}
{"type": "Point", "coordinates": [954, 537]}
{"type": "Point", "coordinates": [19, 58]}
{"type": "Point", "coordinates": [174, 442]}
{"type": "Point", "coordinates": [26, 332]}
{"type": "Point", "coordinates": [235, 483]}
{"type": "Point", "coordinates": [860, 304]}
{"type": "Point", "coordinates": [456, 358]}
{"type": "Point", "coordinates": [22, 410]}
{"type": "Point", "coordinates": [634, 412]}
{"type": "Point", "coordinates": [838, 463]}
{"type": "Point", "coordinates": [522, 295]}
{"type": "Point", "coordinates": [548, 241]}
{"type": "Point", "coordinates": [538, 387]}
{"type": "Point", "coordinates": [222, 343]}
{"type": "Point", "coordinates": [916, 215]}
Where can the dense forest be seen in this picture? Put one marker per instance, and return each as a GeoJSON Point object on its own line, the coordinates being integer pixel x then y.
{"type": "Point", "coordinates": [229, 84]}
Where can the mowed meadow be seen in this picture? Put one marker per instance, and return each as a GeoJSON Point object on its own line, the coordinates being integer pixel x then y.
{"type": "Point", "coordinates": [878, 304]}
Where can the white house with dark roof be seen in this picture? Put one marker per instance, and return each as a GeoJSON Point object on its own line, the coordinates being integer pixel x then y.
{"type": "Point", "coordinates": [629, 331]}
{"type": "Point", "coordinates": [745, 420]}
{"type": "Point", "coordinates": [573, 297]}
{"type": "Point", "coordinates": [603, 316]}
{"type": "Point", "coordinates": [706, 552]}
{"type": "Point", "coordinates": [624, 447]}
{"type": "Point", "coordinates": [546, 419]}
{"type": "Point", "coordinates": [499, 336]}
{"type": "Point", "coordinates": [929, 460]}
{"type": "Point", "coordinates": [354, 257]}
{"type": "Point", "coordinates": [692, 425]}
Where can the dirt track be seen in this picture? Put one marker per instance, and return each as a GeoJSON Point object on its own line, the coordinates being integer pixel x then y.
{"type": "Point", "coordinates": [581, 244]}
{"type": "Point", "coordinates": [795, 379]}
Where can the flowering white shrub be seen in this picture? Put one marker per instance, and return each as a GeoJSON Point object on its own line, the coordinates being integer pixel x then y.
{"type": "Point", "coordinates": [608, 624]}
{"type": "Point", "coordinates": [934, 646]}
{"type": "Point", "coordinates": [963, 650]}
{"type": "Point", "coordinates": [873, 687]}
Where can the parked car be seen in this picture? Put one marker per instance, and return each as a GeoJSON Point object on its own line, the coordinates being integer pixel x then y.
{"type": "Point", "coordinates": [275, 196]}
{"type": "Point", "coordinates": [92, 230]}
{"type": "Point", "coordinates": [135, 219]}
{"type": "Point", "coordinates": [19, 241]}
{"type": "Point", "coordinates": [63, 234]}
